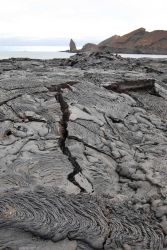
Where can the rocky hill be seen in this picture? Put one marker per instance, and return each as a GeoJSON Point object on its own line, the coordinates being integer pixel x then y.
{"type": "Point", "coordinates": [83, 153]}
{"type": "Point", "coordinates": [137, 41]}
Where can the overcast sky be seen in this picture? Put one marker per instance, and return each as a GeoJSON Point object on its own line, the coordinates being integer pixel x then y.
{"type": "Point", "coordinates": [92, 20]}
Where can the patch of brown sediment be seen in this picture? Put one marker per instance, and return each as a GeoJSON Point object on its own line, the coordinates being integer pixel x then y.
{"type": "Point", "coordinates": [8, 212]}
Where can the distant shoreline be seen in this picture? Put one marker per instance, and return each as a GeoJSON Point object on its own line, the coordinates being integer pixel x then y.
{"type": "Point", "coordinates": [46, 55]}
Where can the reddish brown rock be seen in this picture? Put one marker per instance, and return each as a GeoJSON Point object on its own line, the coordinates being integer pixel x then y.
{"type": "Point", "coordinates": [138, 41]}
{"type": "Point", "coordinates": [89, 46]}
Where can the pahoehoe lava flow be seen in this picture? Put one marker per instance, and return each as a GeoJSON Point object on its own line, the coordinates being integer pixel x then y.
{"type": "Point", "coordinates": [83, 153]}
{"type": "Point", "coordinates": [51, 214]}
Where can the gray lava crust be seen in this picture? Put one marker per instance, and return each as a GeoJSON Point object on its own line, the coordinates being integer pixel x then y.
{"type": "Point", "coordinates": [83, 153]}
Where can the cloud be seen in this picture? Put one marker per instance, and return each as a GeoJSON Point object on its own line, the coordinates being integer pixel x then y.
{"type": "Point", "coordinates": [79, 18]}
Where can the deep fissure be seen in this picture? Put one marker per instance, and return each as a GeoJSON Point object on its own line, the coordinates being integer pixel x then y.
{"type": "Point", "coordinates": [64, 136]}
{"type": "Point", "coordinates": [133, 85]}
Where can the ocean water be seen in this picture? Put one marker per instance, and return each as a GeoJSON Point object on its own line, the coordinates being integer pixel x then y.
{"type": "Point", "coordinates": [50, 52]}
{"type": "Point", "coordinates": [34, 52]}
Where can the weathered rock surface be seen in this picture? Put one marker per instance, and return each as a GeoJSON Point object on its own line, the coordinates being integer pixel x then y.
{"type": "Point", "coordinates": [83, 153]}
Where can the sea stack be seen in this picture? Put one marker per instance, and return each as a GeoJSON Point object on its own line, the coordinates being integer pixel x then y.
{"type": "Point", "coordinates": [72, 45]}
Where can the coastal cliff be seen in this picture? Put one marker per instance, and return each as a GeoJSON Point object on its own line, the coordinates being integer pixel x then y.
{"type": "Point", "coordinates": [138, 41]}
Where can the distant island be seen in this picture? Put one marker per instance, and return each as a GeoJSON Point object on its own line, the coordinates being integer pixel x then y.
{"type": "Point", "coordinates": [138, 41]}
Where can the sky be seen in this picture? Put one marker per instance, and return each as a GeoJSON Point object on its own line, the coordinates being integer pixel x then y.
{"type": "Point", "coordinates": [83, 20]}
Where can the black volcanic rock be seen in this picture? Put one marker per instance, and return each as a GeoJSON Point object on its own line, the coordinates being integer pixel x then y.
{"type": "Point", "coordinates": [83, 153]}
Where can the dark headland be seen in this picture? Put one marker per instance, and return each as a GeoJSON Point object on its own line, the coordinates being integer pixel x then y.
{"type": "Point", "coordinates": [138, 41]}
{"type": "Point", "coordinates": [83, 153]}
